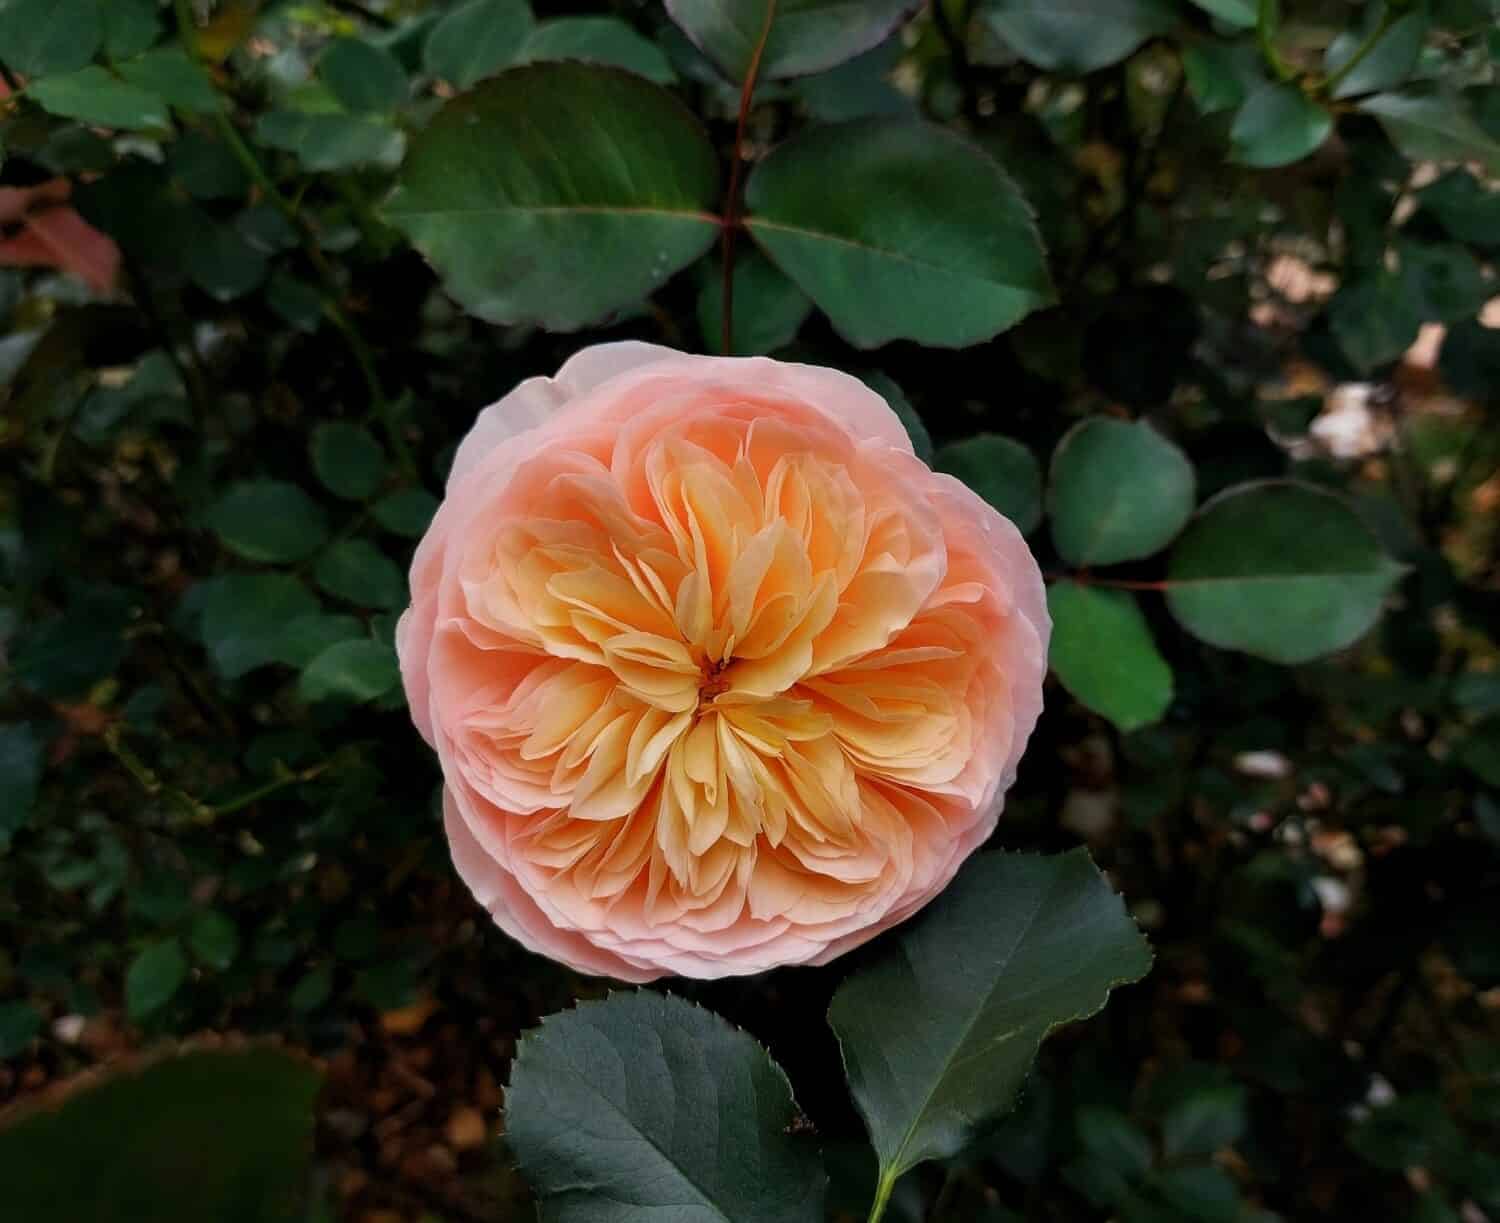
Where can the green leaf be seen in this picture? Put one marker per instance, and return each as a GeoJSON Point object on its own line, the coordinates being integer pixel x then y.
{"type": "Point", "coordinates": [208, 1135]}
{"type": "Point", "coordinates": [1206, 1119]}
{"type": "Point", "coordinates": [1221, 75]}
{"type": "Point", "coordinates": [269, 520]}
{"type": "Point", "coordinates": [1479, 751]}
{"type": "Point", "coordinates": [301, 640]}
{"type": "Point", "coordinates": [558, 194]}
{"type": "Point", "coordinates": [130, 27]}
{"type": "Point", "coordinates": [354, 670]}
{"type": "Point", "coordinates": [93, 95]}
{"type": "Point", "coordinates": [1238, 13]}
{"type": "Point", "coordinates": [1388, 63]}
{"type": "Point", "coordinates": [768, 307]}
{"type": "Point", "coordinates": [1076, 36]}
{"type": "Point", "coordinates": [1114, 1140]}
{"type": "Point", "coordinates": [348, 460]}
{"type": "Point", "coordinates": [20, 776]}
{"type": "Point", "coordinates": [1117, 491]}
{"type": "Point", "coordinates": [1469, 211]}
{"type": "Point", "coordinates": [1433, 127]}
{"type": "Point", "coordinates": [325, 142]}
{"type": "Point", "coordinates": [66, 654]}
{"type": "Point", "coordinates": [1016, 946]}
{"type": "Point", "coordinates": [220, 261]}
{"type": "Point", "coordinates": [643, 1105]}
{"type": "Point", "coordinates": [38, 37]}
{"type": "Point", "coordinates": [356, 570]}
{"type": "Point", "coordinates": [20, 1024]}
{"type": "Point", "coordinates": [598, 40]}
{"type": "Point", "coordinates": [1103, 653]}
{"type": "Point", "coordinates": [1281, 570]}
{"type": "Point", "coordinates": [298, 303]}
{"type": "Point", "coordinates": [476, 40]}
{"type": "Point", "coordinates": [804, 36]}
{"type": "Point", "coordinates": [313, 990]}
{"type": "Point", "coordinates": [1277, 125]}
{"type": "Point", "coordinates": [407, 511]}
{"type": "Point", "coordinates": [1375, 318]}
{"type": "Point", "coordinates": [1446, 280]}
{"type": "Point", "coordinates": [245, 616]}
{"type": "Point", "coordinates": [899, 230]}
{"type": "Point", "coordinates": [206, 168]}
{"type": "Point", "coordinates": [1205, 1194]}
{"type": "Point", "coordinates": [1470, 360]}
{"type": "Point", "coordinates": [362, 76]}
{"type": "Point", "coordinates": [1003, 472]}
{"type": "Point", "coordinates": [215, 939]}
{"type": "Point", "coordinates": [153, 978]}
{"type": "Point", "coordinates": [173, 77]}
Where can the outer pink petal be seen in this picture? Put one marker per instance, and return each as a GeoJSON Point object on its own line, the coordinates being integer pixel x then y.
{"type": "Point", "coordinates": [536, 399]}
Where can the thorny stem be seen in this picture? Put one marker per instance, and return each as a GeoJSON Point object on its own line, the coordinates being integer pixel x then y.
{"type": "Point", "coordinates": [332, 290]}
{"type": "Point", "coordinates": [731, 217]}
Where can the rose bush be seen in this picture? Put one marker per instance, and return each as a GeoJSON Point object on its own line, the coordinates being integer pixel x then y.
{"type": "Point", "coordinates": [721, 676]}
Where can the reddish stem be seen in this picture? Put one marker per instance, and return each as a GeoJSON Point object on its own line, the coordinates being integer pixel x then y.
{"type": "Point", "coordinates": [731, 219]}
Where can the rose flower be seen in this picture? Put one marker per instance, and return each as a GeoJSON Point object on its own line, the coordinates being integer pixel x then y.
{"type": "Point", "coordinates": [719, 674]}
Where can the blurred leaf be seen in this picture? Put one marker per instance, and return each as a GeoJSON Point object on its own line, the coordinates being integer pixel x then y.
{"type": "Point", "coordinates": [354, 670]}
{"type": "Point", "coordinates": [1221, 75]}
{"type": "Point", "coordinates": [348, 460]}
{"type": "Point", "coordinates": [1208, 1118]}
{"type": "Point", "coordinates": [206, 1135]}
{"type": "Point", "coordinates": [303, 638]}
{"type": "Point", "coordinates": [130, 26]}
{"type": "Point", "coordinates": [215, 939]}
{"type": "Point", "coordinates": [558, 194]}
{"type": "Point", "coordinates": [20, 775]}
{"type": "Point", "coordinates": [153, 978]}
{"type": "Point", "coordinates": [356, 570]}
{"type": "Point", "coordinates": [93, 95]}
{"type": "Point", "coordinates": [898, 229]}
{"type": "Point", "coordinates": [1117, 491]}
{"type": "Point", "coordinates": [1115, 1140]}
{"type": "Point", "coordinates": [326, 142]}
{"type": "Point", "coordinates": [1277, 125]}
{"type": "Point", "coordinates": [66, 654]}
{"type": "Point", "coordinates": [1205, 1194]}
{"type": "Point", "coordinates": [1103, 653]}
{"type": "Point", "coordinates": [313, 990]}
{"type": "Point", "coordinates": [609, 1105]}
{"type": "Point", "coordinates": [173, 77]}
{"type": "Point", "coordinates": [1016, 946]}
{"type": "Point", "coordinates": [1375, 317]}
{"type": "Point", "coordinates": [407, 511]}
{"type": "Point", "coordinates": [38, 37]}
{"type": "Point", "coordinates": [1469, 211]}
{"type": "Point", "coordinates": [768, 308]}
{"type": "Point", "coordinates": [1281, 570]}
{"type": "Point", "coordinates": [1003, 472]}
{"type": "Point", "coordinates": [269, 520]}
{"type": "Point", "coordinates": [20, 1024]}
{"type": "Point", "coordinates": [1446, 279]}
{"type": "Point", "coordinates": [1239, 13]}
{"type": "Point", "coordinates": [220, 261]}
{"type": "Point", "coordinates": [1433, 127]}
{"type": "Point", "coordinates": [1077, 36]}
{"type": "Point", "coordinates": [1389, 62]}
{"type": "Point", "coordinates": [803, 36]}
{"type": "Point", "coordinates": [362, 76]}
{"type": "Point", "coordinates": [245, 615]}
{"type": "Point", "coordinates": [206, 168]}
{"type": "Point", "coordinates": [1470, 360]}
{"type": "Point", "coordinates": [598, 40]}
{"type": "Point", "coordinates": [476, 40]}
{"type": "Point", "coordinates": [859, 89]}
{"type": "Point", "coordinates": [1479, 750]}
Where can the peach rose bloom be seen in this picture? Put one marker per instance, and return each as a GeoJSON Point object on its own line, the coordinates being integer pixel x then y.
{"type": "Point", "coordinates": [720, 675]}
